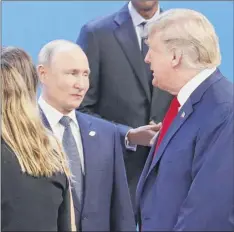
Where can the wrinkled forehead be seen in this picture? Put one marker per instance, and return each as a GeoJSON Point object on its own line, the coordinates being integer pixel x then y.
{"type": "Point", "coordinates": [73, 58]}
{"type": "Point", "coordinates": [153, 39]}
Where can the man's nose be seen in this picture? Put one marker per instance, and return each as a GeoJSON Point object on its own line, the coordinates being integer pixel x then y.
{"type": "Point", "coordinates": [80, 84]}
{"type": "Point", "coordinates": [147, 58]}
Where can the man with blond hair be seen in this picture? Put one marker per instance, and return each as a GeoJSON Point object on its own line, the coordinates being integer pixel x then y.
{"type": "Point", "coordinates": [187, 183]}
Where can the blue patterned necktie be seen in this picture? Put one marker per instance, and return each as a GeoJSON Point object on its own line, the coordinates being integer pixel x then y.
{"type": "Point", "coordinates": [70, 147]}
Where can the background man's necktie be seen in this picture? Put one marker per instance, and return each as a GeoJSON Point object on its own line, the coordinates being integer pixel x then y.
{"type": "Point", "coordinates": [169, 117]}
{"type": "Point", "coordinates": [144, 50]}
{"type": "Point", "coordinates": [71, 150]}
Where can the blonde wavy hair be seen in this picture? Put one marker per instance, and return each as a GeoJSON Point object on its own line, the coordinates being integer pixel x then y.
{"type": "Point", "coordinates": [191, 32]}
{"type": "Point", "coordinates": [23, 63]}
{"type": "Point", "coordinates": [38, 152]}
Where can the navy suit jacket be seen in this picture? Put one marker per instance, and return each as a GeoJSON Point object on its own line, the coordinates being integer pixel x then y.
{"type": "Point", "coordinates": [106, 204]}
{"type": "Point", "coordinates": [189, 184]}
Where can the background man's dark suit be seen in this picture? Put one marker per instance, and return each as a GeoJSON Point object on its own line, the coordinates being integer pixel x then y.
{"type": "Point", "coordinates": [119, 89]}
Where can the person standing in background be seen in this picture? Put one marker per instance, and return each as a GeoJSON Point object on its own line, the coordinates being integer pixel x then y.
{"type": "Point", "coordinates": [121, 88]}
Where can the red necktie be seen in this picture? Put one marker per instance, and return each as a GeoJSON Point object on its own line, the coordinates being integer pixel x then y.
{"type": "Point", "coordinates": [169, 117]}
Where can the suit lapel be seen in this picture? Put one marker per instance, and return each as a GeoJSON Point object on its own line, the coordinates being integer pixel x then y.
{"type": "Point", "coordinates": [46, 123]}
{"type": "Point", "coordinates": [45, 120]}
{"type": "Point", "coordinates": [144, 175]}
{"type": "Point", "coordinates": [90, 142]}
{"type": "Point", "coordinates": [77, 204]}
{"type": "Point", "coordinates": [184, 114]}
{"type": "Point", "coordinates": [127, 38]}
{"type": "Point", "coordinates": [181, 117]}
{"type": "Point", "coordinates": [151, 160]}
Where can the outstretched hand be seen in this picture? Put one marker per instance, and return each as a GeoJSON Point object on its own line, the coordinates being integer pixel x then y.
{"type": "Point", "coordinates": [144, 135]}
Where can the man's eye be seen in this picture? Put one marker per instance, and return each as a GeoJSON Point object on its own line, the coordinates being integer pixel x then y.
{"type": "Point", "coordinates": [69, 73]}
{"type": "Point", "coordinates": [74, 73]}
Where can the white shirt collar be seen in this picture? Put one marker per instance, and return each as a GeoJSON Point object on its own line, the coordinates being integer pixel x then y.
{"type": "Point", "coordinates": [53, 116]}
{"type": "Point", "coordinates": [188, 88]}
{"type": "Point", "coordinates": [137, 19]}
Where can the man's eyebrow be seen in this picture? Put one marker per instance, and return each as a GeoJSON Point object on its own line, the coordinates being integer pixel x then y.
{"type": "Point", "coordinates": [78, 70]}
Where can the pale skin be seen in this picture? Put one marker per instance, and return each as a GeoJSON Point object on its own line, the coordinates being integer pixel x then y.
{"type": "Point", "coordinates": [65, 81]}
{"type": "Point", "coordinates": [169, 72]}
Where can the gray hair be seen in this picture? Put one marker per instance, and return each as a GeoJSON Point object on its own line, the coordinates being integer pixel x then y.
{"type": "Point", "coordinates": [48, 51]}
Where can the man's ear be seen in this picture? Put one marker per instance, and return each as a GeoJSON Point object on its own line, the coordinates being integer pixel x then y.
{"type": "Point", "coordinates": [42, 73]}
{"type": "Point", "coordinates": [177, 55]}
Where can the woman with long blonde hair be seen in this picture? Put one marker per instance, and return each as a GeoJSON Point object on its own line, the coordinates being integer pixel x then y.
{"type": "Point", "coordinates": [35, 187]}
{"type": "Point", "coordinates": [23, 63]}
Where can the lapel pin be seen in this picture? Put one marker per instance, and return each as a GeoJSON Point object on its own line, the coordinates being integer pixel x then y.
{"type": "Point", "coordinates": [182, 115]}
{"type": "Point", "coordinates": [92, 133]}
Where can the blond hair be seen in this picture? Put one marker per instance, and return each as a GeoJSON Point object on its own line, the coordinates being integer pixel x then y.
{"type": "Point", "coordinates": [23, 63]}
{"type": "Point", "coordinates": [37, 150]}
{"type": "Point", "coordinates": [23, 130]}
{"type": "Point", "coordinates": [191, 32]}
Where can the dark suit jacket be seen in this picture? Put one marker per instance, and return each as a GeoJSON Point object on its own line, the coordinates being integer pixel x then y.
{"type": "Point", "coordinates": [119, 89]}
{"type": "Point", "coordinates": [106, 204]}
{"type": "Point", "coordinates": [189, 185]}
{"type": "Point", "coordinates": [29, 203]}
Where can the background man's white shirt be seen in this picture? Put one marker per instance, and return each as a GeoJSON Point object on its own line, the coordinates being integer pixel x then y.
{"type": "Point", "coordinates": [137, 19]}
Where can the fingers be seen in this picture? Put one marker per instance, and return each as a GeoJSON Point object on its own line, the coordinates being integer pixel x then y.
{"type": "Point", "coordinates": [152, 123]}
{"type": "Point", "coordinates": [152, 141]}
{"type": "Point", "coordinates": [159, 124]}
{"type": "Point", "coordinates": [155, 127]}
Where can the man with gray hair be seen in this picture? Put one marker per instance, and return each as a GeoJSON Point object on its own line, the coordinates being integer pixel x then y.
{"type": "Point", "coordinates": [99, 184]}
{"type": "Point", "coordinates": [187, 183]}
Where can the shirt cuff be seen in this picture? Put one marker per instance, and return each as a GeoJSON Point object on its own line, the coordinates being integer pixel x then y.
{"type": "Point", "coordinates": [129, 146]}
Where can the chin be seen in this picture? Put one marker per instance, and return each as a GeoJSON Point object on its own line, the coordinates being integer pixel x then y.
{"type": "Point", "coordinates": [155, 82]}
{"type": "Point", "coordinates": [158, 85]}
{"type": "Point", "coordinates": [148, 5]}
{"type": "Point", "coordinates": [76, 104]}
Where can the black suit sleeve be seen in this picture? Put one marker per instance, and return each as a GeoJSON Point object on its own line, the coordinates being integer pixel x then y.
{"type": "Point", "coordinates": [29, 203]}
{"type": "Point", "coordinates": [64, 213]}
{"type": "Point", "coordinates": [88, 42]}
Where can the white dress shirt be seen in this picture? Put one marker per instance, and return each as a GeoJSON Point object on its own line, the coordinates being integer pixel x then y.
{"type": "Point", "coordinates": [137, 19]}
{"type": "Point", "coordinates": [53, 116]}
{"type": "Point", "coordinates": [188, 88]}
